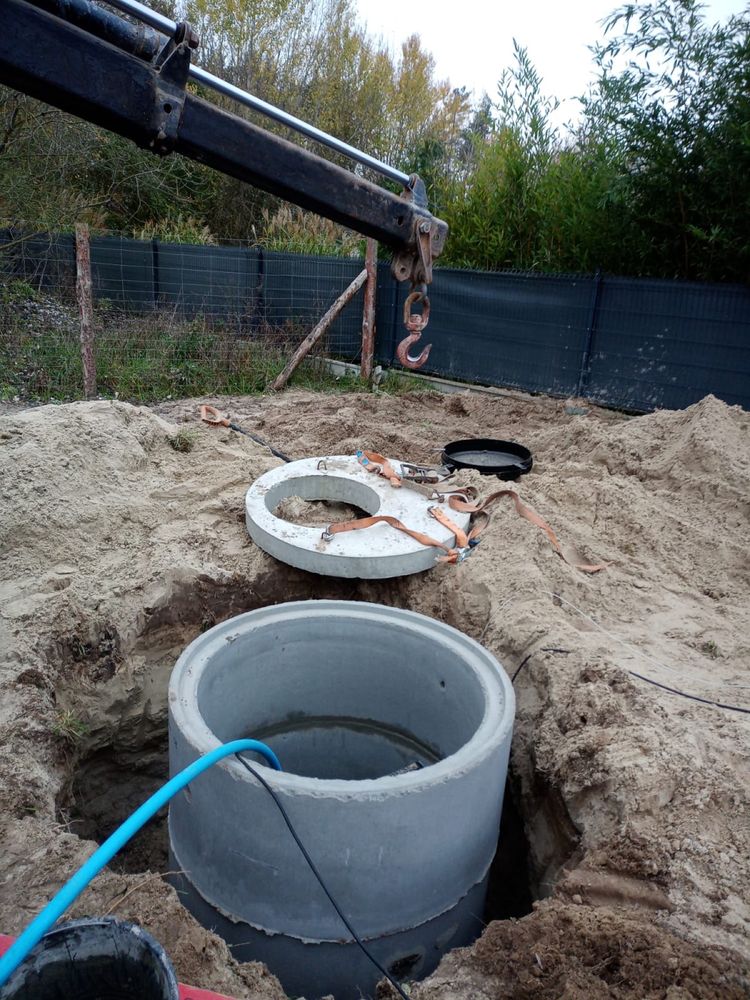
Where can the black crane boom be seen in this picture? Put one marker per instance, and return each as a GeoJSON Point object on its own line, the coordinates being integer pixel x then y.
{"type": "Point", "coordinates": [133, 81]}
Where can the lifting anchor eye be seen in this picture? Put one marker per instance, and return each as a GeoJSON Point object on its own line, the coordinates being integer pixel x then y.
{"type": "Point", "coordinates": [414, 323]}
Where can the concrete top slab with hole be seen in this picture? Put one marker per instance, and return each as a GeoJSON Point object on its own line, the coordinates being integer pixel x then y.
{"type": "Point", "coordinates": [374, 553]}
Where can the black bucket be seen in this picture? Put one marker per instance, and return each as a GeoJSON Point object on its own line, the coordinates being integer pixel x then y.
{"type": "Point", "coordinates": [97, 958]}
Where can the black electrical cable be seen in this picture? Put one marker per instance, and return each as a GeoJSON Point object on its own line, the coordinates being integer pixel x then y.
{"type": "Point", "coordinates": [682, 694]}
{"type": "Point", "coordinates": [522, 664]}
{"type": "Point", "coordinates": [318, 876]}
{"type": "Point", "coordinates": [692, 697]}
{"type": "Point", "coordinates": [520, 667]}
{"type": "Point", "coordinates": [648, 680]}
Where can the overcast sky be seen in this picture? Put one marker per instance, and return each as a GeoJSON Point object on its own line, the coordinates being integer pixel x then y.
{"type": "Point", "coordinates": [472, 41]}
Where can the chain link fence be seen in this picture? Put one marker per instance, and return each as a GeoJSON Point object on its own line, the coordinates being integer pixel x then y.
{"type": "Point", "coordinates": [176, 319]}
{"type": "Point", "coordinates": [170, 319]}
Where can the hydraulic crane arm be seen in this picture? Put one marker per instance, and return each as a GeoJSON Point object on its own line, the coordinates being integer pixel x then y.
{"type": "Point", "coordinates": [132, 80]}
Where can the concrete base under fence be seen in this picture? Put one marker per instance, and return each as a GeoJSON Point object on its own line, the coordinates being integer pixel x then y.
{"type": "Point", "coordinates": [340, 368]}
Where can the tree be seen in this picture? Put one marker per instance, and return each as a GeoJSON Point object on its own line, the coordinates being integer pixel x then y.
{"type": "Point", "coordinates": [497, 209]}
{"type": "Point", "coordinates": [344, 81]}
{"type": "Point", "coordinates": [655, 179]}
{"type": "Point", "coordinates": [672, 107]}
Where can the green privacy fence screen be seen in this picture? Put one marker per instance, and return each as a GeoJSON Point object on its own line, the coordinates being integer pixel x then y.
{"type": "Point", "coordinates": [638, 344]}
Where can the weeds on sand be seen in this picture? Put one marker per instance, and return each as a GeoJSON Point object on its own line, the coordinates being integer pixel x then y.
{"type": "Point", "coordinates": [183, 440]}
{"type": "Point", "coordinates": [143, 358]}
{"type": "Point", "coordinates": [69, 727]}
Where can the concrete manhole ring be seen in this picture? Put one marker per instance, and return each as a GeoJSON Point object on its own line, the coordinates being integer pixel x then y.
{"type": "Point", "coordinates": [345, 693]}
{"type": "Point", "coordinates": [378, 552]}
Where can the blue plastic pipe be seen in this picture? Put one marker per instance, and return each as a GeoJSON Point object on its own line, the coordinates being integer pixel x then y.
{"type": "Point", "coordinates": [75, 885]}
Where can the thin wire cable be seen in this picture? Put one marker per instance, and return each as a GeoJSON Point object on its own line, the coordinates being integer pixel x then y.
{"type": "Point", "coordinates": [319, 877]}
{"type": "Point", "coordinates": [642, 677]}
{"type": "Point", "coordinates": [634, 673]}
{"type": "Point", "coordinates": [635, 649]}
{"type": "Point", "coordinates": [525, 660]}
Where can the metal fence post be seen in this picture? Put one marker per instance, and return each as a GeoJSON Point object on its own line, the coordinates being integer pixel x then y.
{"type": "Point", "coordinates": [583, 375]}
{"type": "Point", "coordinates": [155, 271]}
{"type": "Point", "coordinates": [86, 307]}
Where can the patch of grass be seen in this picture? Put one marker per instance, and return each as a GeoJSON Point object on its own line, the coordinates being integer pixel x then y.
{"type": "Point", "coordinates": [396, 383]}
{"type": "Point", "coordinates": [183, 440]}
{"type": "Point", "coordinates": [40, 366]}
{"type": "Point", "coordinates": [154, 356]}
{"type": "Point", "coordinates": [69, 727]}
{"type": "Point", "coordinates": [710, 649]}
{"type": "Point", "coordinates": [17, 291]}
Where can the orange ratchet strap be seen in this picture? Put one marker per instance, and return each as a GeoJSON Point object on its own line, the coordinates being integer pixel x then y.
{"type": "Point", "coordinates": [455, 503]}
{"type": "Point", "coordinates": [380, 465]}
{"type": "Point", "coordinates": [452, 555]}
{"type": "Point", "coordinates": [463, 500]}
{"type": "Point", "coordinates": [371, 461]}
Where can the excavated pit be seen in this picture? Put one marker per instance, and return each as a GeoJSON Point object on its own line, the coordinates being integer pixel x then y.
{"type": "Point", "coordinates": [119, 550]}
{"type": "Point", "coordinates": [110, 783]}
{"type": "Point", "coordinates": [392, 728]}
{"type": "Point", "coordinates": [122, 757]}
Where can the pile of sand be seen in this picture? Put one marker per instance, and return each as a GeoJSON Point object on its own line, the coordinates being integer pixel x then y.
{"type": "Point", "coordinates": [118, 549]}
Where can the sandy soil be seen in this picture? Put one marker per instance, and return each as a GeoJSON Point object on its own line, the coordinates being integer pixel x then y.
{"type": "Point", "coordinates": [117, 550]}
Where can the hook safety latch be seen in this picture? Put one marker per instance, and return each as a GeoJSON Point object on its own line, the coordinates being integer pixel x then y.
{"type": "Point", "coordinates": [414, 323]}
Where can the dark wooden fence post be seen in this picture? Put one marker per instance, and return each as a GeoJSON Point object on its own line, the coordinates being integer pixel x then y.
{"type": "Point", "coordinates": [86, 307]}
{"type": "Point", "coordinates": [368, 315]}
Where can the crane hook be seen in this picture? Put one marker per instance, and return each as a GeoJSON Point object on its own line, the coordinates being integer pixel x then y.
{"type": "Point", "coordinates": [414, 323]}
